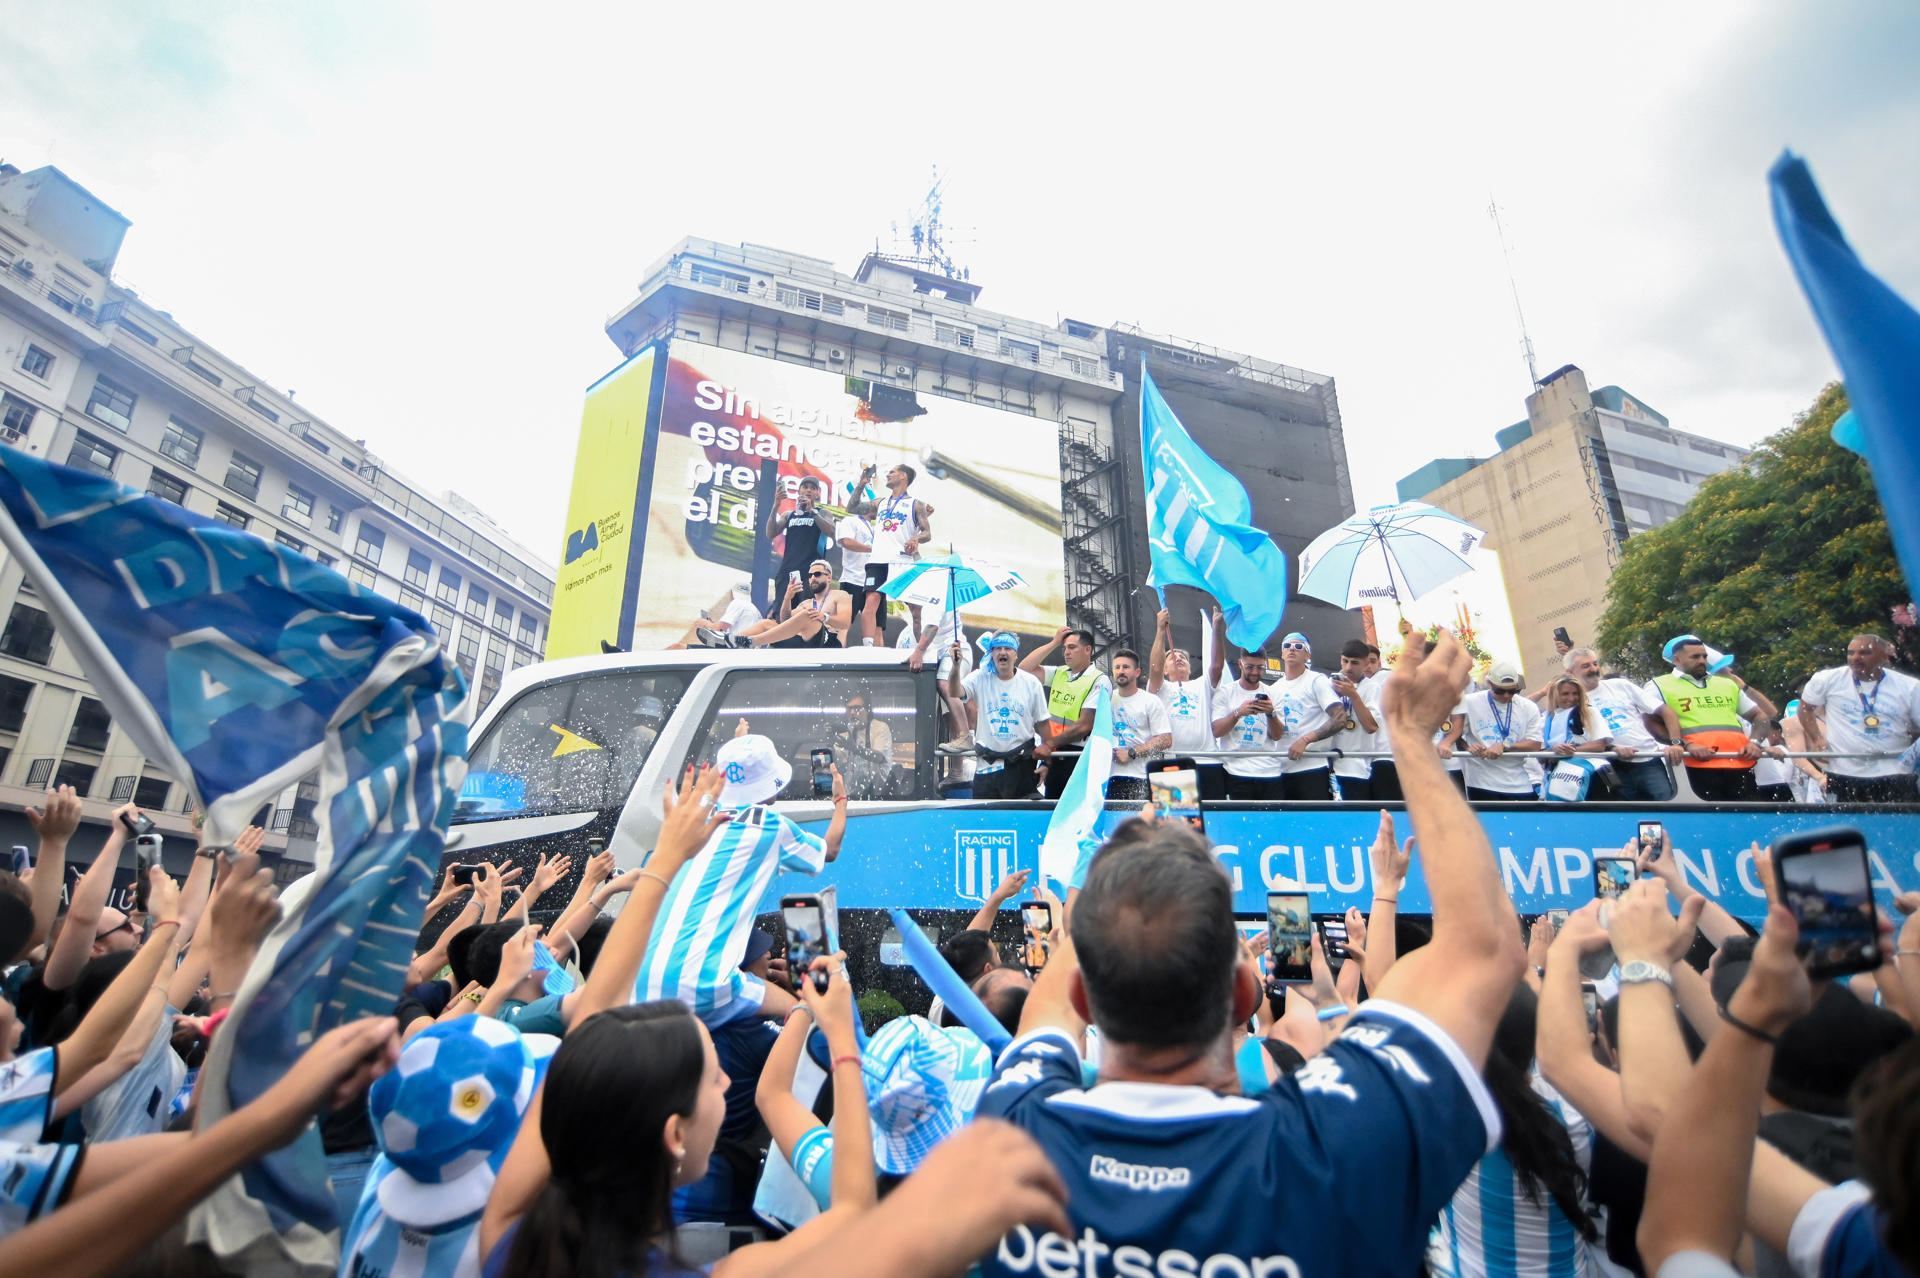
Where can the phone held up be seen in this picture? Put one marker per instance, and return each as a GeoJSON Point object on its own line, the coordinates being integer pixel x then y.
{"type": "Point", "coordinates": [1290, 936]}
{"type": "Point", "coordinates": [1175, 787]}
{"type": "Point", "coordinates": [146, 855]}
{"type": "Point", "coordinates": [463, 873]}
{"type": "Point", "coordinates": [822, 773]}
{"type": "Point", "coordinates": [1824, 878]}
{"type": "Point", "coordinates": [1037, 919]}
{"type": "Point", "coordinates": [22, 859]}
{"type": "Point", "coordinates": [1612, 876]}
{"type": "Point", "coordinates": [137, 824]}
{"type": "Point", "coordinates": [1653, 839]}
{"type": "Point", "coordinates": [806, 925]}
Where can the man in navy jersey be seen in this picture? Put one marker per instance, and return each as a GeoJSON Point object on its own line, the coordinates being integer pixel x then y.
{"type": "Point", "coordinates": [1341, 1167]}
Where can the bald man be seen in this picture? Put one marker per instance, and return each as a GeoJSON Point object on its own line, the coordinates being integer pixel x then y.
{"type": "Point", "coordinates": [1865, 710]}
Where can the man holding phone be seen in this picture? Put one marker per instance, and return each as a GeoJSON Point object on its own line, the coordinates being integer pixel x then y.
{"type": "Point", "coordinates": [1248, 724]}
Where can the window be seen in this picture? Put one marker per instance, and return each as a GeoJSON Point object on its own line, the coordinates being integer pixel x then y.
{"type": "Point", "coordinates": [92, 454]}
{"type": "Point", "coordinates": [496, 659]}
{"type": "Point", "coordinates": [334, 516]}
{"type": "Point", "coordinates": [413, 599]}
{"type": "Point", "coordinates": [953, 334]}
{"type": "Point", "coordinates": [122, 788]}
{"type": "Point", "coordinates": [529, 629]}
{"type": "Point", "coordinates": [880, 317]}
{"type": "Point", "coordinates": [14, 696]}
{"type": "Point", "coordinates": [476, 603]}
{"type": "Point", "coordinates": [76, 774]}
{"type": "Point", "coordinates": [502, 616]}
{"type": "Point", "coordinates": [163, 485]}
{"type": "Point", "coordinates": [151, 793]}
{"type": "Point", "coordinates": [18, 414]}
{"type": "Point", "coordinates": [807, 300]}
{"type": "Point", "coordinates": [449, 589]}
{"type": "Point", "coordinates": [230, 516]}
{"type": "Point", "coordinates": [198, 369]}
{"type": "Point", "coordinates": [878, 751]}
{"type": "Point", "coordinates": [141, 333]}
{"type": "Point", "coordinates": [326, 559]}
{"type": "Point", "coordinates": [28, 636]}
{"type": "Point", "coordinates": [36, 362]}
{"type": "Point", "coordinates": [314, 442]}
{"type": "Point", "coordinates": [243, 476]}
{"type": "Point", "coordinates": [442, 618]}
{"type": "Point", "coordinates": [515, 770]}
{"type": "Point", "coordinates": [181, 442]}
{"type": "Point", "coordinates": [298, 508]}
{"type": "Point", "coordinates": [253, 402]}
{"type": "Point", "coordinates": [469, 646]}
{"type": "Point", "coordinates": [418, 565]}
{"type": "Point", "coordinates": [90, 725]}
{"type": "Point", "coordinates": [39, 772]}
{"type": "Point", "coordinates": [1025, 352]}
{"type": "Point", "coordinates": [61, 299]}
{"type": "Point", "coordinates": [371, 544]}
{"type": "Point", "coordinates": [725, 280]}
{"type": "Point", "coordinates": [111, 404]}
{"type": "Point", "coordinates": [291, 543]}
{"type": "Point", "coordinates": [361, 575]}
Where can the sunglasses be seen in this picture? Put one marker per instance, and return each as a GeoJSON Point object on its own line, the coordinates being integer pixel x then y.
{"type": "Point", "coordinates": [812, 575]}
{"type": "Point", "coordinates": [1295, 647]}
{"type": "Point", "coordinates": [126, 925]}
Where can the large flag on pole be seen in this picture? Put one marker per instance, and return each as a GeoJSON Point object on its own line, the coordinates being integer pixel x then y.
{"type": "Point", "coordinates": [240, 667]}
{"type": "Point", "coordinates": [1199, 532]}
{"type": "Point", "coordinates": [1071, 840]}
{"type": "Point", "coordinates": [1875, 336]}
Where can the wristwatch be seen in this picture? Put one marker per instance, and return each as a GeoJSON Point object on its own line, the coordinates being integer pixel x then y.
{"type": "Point", "coordinates": [1639, 972]}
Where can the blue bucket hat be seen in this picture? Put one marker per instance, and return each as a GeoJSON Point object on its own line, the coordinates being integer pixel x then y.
{"type": "Point", "coordinates": [923, 1082]}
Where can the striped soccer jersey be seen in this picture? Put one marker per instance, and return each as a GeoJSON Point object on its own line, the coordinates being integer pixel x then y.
{"type": "Point", "coordinates": [26, 1095]}
{"type": "Point", "coordinates": [1492, 1230]}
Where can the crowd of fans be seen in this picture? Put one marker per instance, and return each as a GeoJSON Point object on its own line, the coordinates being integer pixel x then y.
{"type": "Point", "coordinates": [1646, 1087]}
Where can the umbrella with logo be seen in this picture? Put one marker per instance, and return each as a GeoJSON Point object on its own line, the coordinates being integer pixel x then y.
{"type": "Point", "coordinates": [1397, 552]}
{"type": "Point", "coordinates": [949, 583]}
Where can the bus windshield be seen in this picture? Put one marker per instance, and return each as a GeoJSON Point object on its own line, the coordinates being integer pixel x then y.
{"type": "Point", "coordinates": [574, 745]}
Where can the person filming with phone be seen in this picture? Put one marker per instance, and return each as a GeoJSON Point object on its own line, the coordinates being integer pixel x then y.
{"type": "Point", "coordinates": [1247, 723]}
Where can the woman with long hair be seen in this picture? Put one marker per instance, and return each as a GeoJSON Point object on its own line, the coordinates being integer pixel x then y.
{"type": "Point", "coordinates": [1573, 727]}
{"type": "Point", "coordinates": [1522, 1209]}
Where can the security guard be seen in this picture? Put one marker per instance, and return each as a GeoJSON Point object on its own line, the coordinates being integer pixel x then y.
{"type": "Point", "coordinates": [1704, 714]}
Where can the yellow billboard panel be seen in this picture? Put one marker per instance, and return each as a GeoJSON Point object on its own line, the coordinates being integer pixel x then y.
{"type": "Point", "coordinates": [600, 511]}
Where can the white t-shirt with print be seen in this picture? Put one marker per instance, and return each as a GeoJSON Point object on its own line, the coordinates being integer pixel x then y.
{"type": "Point", "coordinates": [1136, 720]}
{"type": "Point", "coordinates": [853, 563]}
{"type": "Point", "coordinates": [1248, 734]}
{"type": "Point", "coordinates": [1622, 705]}
{"type": "Point", "coordinates": [1505, 774]}
{"type": "Point", "coordinates": [1894, 699]}
{"type": "Point", "coordinates": [1187, 712]}
{"type": "Point", "coordinates": [1010, 710]}
{"type": "Point", "coordinates": [1353, 739]}
{"type": "Point", "coordinates": [1303, 704]}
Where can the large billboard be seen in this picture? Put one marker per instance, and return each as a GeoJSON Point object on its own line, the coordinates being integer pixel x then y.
{"type": "Point", "coordinates": [591, 586]}
{"type": "Point", "coordinates": [736, 432]}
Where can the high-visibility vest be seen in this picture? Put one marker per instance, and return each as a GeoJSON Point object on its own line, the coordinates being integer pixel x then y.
{"type": "Point", "coordinates": [1708, 715]}
{"type": "Point", "coordinates": [1067, 695]}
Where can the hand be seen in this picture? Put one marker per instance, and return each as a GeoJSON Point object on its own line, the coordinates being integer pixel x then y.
{"type": "Point", "coordinates": [1539, 941]}
{"type": "Point", "coordinates": [1010, 886]}
{"type": "Point", "coordinates": [163, 896]}
{"type": "Point", "coordinates": [1055, 910]}
{"type": "Point", "coordinates": [340, 1065]}
{"type": "Point", "coordinates": [1640, 927]}
{"type": "Point", "coordinates": [1122, 755]}
{"type": "Point", "coordinates": [516, 957]}
{"type": "Point", "coordinates": [1298, 749]}
{"type": "Point", "coordinates": [1060, 635]}
{"type": "Point", "coordinates": [1493, 751]}
{"type": "Point", "coordinates": [251, 840]}
{"type": "Point", "coordinates": [793, 588]}
{"type": "Point", "coordinates": [124, 813]}
{"type": "Point", "coordinates": [599, 870]}
{"type": "Point", "coordinates": [1582, 932]}
{"type": "Point", "coordinates": [1390, 862]}
{"type": "Point", "coordinates": [914, 660]}
{"type": "Point", "coordinates": [1763, 870]}
{"type": "Point", "coordinates": [1356, 931]}
{"type": "Point", "coordinates": [839, 785]}
{"type": "Point", "coordinates": [1256, 945]}
{"type": "Point", "coordinates": [1218, 616]}
{"type": "Point", "coordinates": [687, 821]}
{"type": "Point", "coordinates": [1163, 620]}
{"type": "Point", "coordinates": [1699, 750]}
{"type": "Point", "coordinates": [1425, 685]}
{"type": "Point", "coordinates": [1750, 750]}
{"type": "Point", "coordinates": [1043, 750]}
{"type": "Point", "coordinates": [779, 974]}
{"type": "Point", "coordinates": [974, 1187]}
{"type": "Point", "coordinates": [833, 1011]}
{"type": "Point", "coordinates": [741, 729]}
{"type": "Point", "coordinates": [1344, 686]}
{"type": "Point", "coordinates": [56, 821]}
{"type": "Point", "coordinates": [448, 888]}
{"type": "Point", "coordinates": [1564, 750]}
{"type": "Point", "coordinates": [487, 885]}
{"type": "Point", "coordinates": [1323, 992]}
{"type": "Point", "coordinates": [244, 906]}
{"type": "Point", "coordinates": [549, 872]}
{"type": "Point", "coordinates": [622, 882]}
{"type": "Point", "coordinates": [1775, 991]}
{"type": "Point", "coordinates": [1624, 752]}
{"type": "Point", "coordinates": [1675, 752]}
{"type": "Point", "coordinates": [1661, 864]}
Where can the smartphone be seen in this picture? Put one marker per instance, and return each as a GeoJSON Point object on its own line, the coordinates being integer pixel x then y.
{"type": "Point", "coordinates": [146, 855]}
{"type": "Point", "coordinates": [793, 579]}
{"type": "Point", "coordinates": [1333, 940]}
{"type": "Point", "coordinates": [1590, 999]}
{"type": "Point", "coordinates": [1034, 956]}
{"type": "Point", "coordinates": [464, 873]}
{"type": "Point", "coordinates": [1653, 839]}
{"type": "Point", "coordinates": [1558, 918]}
{"type": "Point", "coordinates": [1825, 880]}
{"type": "Point", "coordinates": [823, 773]}
{"type": "Point", "coordinates": [1612, 876]}
{"type": "Point", "coordinates": [1276, 999]}
{"type": "Point", "coordinates": [1290, 933]}
{"type": "Point", "coordinates": [1175, 787]}
{"type": "Point", "coordinates": [1038, 916]}
{"type": "Point", "coordinates": [137, 824]}
{"type": "Point", "coordinates": [806, 925]}
{"type": "Point", "coordinates": [22, 859]}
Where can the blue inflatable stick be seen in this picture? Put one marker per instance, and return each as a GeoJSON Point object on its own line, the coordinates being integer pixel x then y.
{"type": "Point", "coordinates": [944, 981]}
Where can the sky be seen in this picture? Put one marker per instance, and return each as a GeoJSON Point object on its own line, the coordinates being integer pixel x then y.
{"type": "Point", "coordinates": [419, 217]}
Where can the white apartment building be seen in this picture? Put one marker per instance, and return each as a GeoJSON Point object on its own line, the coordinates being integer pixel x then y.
{"type": "Point", "coordinates": [93, 376]}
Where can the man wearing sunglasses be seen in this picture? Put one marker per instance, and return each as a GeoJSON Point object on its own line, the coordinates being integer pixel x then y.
{"type": "Point", "coordinates": [814, 616]}
{"type": "Point", "coordinates": [1313, 713]}
{"type": "Point", "coordinates": [116, 933]}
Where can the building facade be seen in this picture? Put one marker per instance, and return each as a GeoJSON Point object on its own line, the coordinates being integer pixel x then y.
{"type": "Point", "coordinates": [1585, 471]}
{"type": "Point", "coordinates": [93, 376]}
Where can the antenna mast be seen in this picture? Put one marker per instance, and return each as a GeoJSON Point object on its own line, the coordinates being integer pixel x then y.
{"type": "Point", "coordinates": [1526, 342]}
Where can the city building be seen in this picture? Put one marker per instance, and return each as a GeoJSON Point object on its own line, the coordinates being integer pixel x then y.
{"type": "Point", "coordinates": [1585, 471]}
{"type": "Point", "coordinates": [94, 376]}
{"type": "Point", "coordinates": [1039, 471]}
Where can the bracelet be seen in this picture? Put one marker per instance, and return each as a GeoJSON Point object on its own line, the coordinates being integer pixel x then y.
{"type": "Point", "coordinates": [163, 923]}
{"type": "Point", "coordinates": [474, 996]}
{"type": "Point", "coordinates": [1756, 1031]}
{"type": "Point", "coordinates": [1898, 953]}
{"type": "Point", "coordinates": [1338, 1009]}
{"type": "Point", "coordinates": [215, 998]}
{"type": "Point", "coordinates": [1390, 900]}
{"type": "Point", "coordinates": [649, 874]}
{"type": "Point", "coordinates": [798, 1007]}
{"type": "Point", "coordinates": [851, 1057]}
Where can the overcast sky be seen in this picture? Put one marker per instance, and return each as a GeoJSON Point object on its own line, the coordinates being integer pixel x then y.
{"type": "Point", "coordinates": [419, 218]}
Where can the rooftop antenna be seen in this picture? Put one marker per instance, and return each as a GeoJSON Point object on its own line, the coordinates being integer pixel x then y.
{"type": "Point", "coordinates": [926, 237]}
{"type": "Point", "coordinates": [1526, 342]}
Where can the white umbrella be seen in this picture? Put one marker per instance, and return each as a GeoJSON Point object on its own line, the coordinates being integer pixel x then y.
{"type": "Point", "coordinates": [1397, 552]}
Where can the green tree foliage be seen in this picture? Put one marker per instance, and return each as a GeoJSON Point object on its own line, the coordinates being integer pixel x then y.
{"type": "Point", "coordinates": [1780, 563]}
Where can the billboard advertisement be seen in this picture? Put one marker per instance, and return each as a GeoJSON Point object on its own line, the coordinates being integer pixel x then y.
{"type": "Point", "coordinates": [591, 585]}
{"type": "Point", "coordinates": [735, 434]}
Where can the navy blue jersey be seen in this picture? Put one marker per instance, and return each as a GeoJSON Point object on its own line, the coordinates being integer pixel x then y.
{"type": "Point", "coordinates": [1339, 1168]}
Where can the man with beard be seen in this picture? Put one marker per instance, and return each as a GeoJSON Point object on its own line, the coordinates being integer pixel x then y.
{"type": "Point", "coordinates": [816, 617]}
{"type": "Point", "coordinates": [1140, 728]}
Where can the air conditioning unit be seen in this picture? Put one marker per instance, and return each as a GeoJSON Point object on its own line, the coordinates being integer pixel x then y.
{"type": "Point", "coordinates": [86, 303]}
{"type": "Point", "coordinates": [23, 266]}
{"type": "Point", "coordinates": [836, 355]}
{"type": "Point", "coordinates": [901, 370]}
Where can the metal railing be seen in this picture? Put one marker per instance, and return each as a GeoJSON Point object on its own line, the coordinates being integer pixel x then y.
{"type": "Point", "coordinates": [1227, 756]}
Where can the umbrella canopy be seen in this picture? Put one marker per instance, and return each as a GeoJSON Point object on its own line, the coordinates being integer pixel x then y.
{"type": "Point", "coordinates": [949, 582]}
{"type": "Point", "coordinates": [1397, 552]}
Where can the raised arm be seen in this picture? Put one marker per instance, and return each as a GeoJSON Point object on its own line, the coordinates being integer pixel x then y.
{"type": "Point", "coordinates": [786, 1118]}
{"type": "Point", "coordinates": [75, 945]}
{"type": "Point", "coordinates": [837, 823]}
{"type": "Point", "coordinates": [1653, 1056]}
{"type": "Point", "coordinates": [1391, 861]}
{"type": "Point", "coordinates": [1036, 660]}
{"type": "Point", "coordinates": [1004, 891]}
{"type": "Point", "coordinates": [101, 1028]}
{"type": "Point", "coordinates": [1464, 978]}
{"type": "Point", "coordinates": [1217, 664]}
{"type": "Point", "coordinates": [1715, 922]}
{"type": "Point", "coordinates": [1157, 658]}
{"type": "Point", "coordinates": [1563, 1042]}
{"type": "Point", "coordinates": [1050, 1002]}
{"type": "Point", "coordinates": [54, 825]}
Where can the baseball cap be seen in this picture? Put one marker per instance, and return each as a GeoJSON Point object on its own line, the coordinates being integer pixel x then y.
{"type": "Point", "coordinates": [444, 1114]}
{"type": "Point", "coordinates": [923, 1082]}
{"type": "Point", "coordinates": [1673, 645]}
{"type": "Point", "coordinates": [1716, 659]}
{"type": "Point", "coordinates": [1503, 674]}
{"type": "Point", "coordinates": [759, 945]}
{"type": "Point", "coordinates": [754, 770]}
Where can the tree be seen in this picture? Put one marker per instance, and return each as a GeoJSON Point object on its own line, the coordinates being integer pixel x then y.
{"type": "Point", "coordinates": [1780, 562]}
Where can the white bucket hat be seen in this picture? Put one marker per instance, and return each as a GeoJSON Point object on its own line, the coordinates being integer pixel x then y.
{"type": "Point", "coordinates": [754, 770]}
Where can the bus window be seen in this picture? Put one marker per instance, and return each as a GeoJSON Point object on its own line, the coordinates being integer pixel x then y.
{"type": "Point", "coordinates": [868, 719]}
{"type": "Point", "coordinates": [575, 745]}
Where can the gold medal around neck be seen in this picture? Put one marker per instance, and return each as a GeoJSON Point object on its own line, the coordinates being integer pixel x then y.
{"type": "Point", "coordinates": [1871, 723]}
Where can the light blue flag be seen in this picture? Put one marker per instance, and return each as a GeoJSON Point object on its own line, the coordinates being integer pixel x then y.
{"type": "Point", "coordinates": [1875, 336]}
{"type": "Point", "coordinates": [240, 667]}
{"type": "Point", "coordinates": [1198, 527]}
{"type": "Point", "coordinates": [1071, 838]}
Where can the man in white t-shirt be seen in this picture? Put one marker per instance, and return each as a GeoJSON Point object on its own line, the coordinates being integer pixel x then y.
{"type": "Point", "coordinates": [901, 525]}
{"type": "Point", "coordinates": [856, 544]}
{"type": "Point", "coordinates": [1360, 734]}
{"type": "Point", "coordinates": [1640, 770]}
{"type": "Point", "coordinates": [943, 633]}
{"type": "Point", "coordinates": [1313, 713]}
{"type": "Point", "coordinates": [1384, 779]}
{"type": "Point", "coordinates": [1171, 677]}
{"type": "Point", "coordinates": [1006, 708]}
{"type": "Point", "coordinates": [1500, 720]}
{"type": "Point", "coordinates": [736, 615]}
{"type": "Point", "coordinates": [1864, 706]}
{"type": "Point", "coordinates": [1141, 728]}
{"type": "Point", "coordinates": [1247, 723]}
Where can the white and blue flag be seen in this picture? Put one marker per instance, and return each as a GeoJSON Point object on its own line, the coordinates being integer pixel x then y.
{"type": "Point", "coordinates": [1071, 838]}
{"type": "Point", "coordinates": [1198, 527]}
{"type": "Point", "coordinates": [240, 667]}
